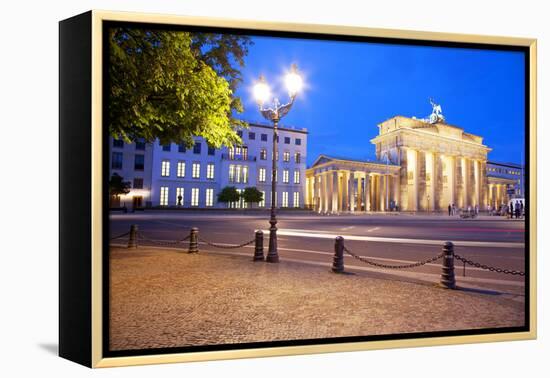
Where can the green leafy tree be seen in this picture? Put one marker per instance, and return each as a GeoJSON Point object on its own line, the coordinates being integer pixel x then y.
{"type": "Point", "coordinates": [228, 194]}
{"type": "Point", "coordinates": [173, 85]}
{"type": "Point", "coordinates": [117, 187]}
{"type": "Point", "coordinates": [252, 195]}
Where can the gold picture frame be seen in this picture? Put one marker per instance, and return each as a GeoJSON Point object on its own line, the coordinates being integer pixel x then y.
{"type": "Point", "coordinates": [74, 325]}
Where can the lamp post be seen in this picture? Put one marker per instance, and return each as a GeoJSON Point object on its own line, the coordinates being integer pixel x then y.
{"type": "Point", "coordinates": [274, 114]}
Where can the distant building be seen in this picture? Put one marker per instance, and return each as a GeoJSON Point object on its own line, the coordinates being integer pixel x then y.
{"type": "Point", "coordinates": [174, 175]}
{"type": "Point", "coordinates": [505, 181]}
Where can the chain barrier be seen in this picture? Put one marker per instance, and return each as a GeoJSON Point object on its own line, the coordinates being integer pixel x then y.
{"type": "Point", "coordinates": [489, 268]}
{"type": "Point", "coordinates": [385, 266]}
{"type": "Point", "coordinates": [228, 246]}
{"type": "Point", "coordinates": [142, 237]}
{"type": "Point", "coordinates": [120, 236]}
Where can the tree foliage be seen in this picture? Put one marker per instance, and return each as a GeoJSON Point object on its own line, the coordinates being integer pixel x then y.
{"type": "Point", "coordinates": [117, 186]}
{"type": "Point", "coordinates": [252, 195]}
{"type": "Point", "coordinates": [228, 194]}
{"type": "Point", "coordinates": [174, 85]}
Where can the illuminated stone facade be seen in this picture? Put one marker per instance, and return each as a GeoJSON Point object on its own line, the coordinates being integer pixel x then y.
{"type": "Point", "coordinates": [421, 166]}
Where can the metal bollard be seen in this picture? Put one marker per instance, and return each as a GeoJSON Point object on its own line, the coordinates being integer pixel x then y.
{"type": "Point", "coordinates": [259, 246]}
{"type": "Point", "coordinates": [448, 269]}
{"type": "Point", "coordinates": [132, 239]}
{"type": "Point", "coordinates": [338, 260]}
{"type": "Point", "coordinates": [194, 240]}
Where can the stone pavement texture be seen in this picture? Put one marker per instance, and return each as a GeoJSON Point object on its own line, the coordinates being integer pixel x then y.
{"type": "Point", "coordinates": [161, 298]}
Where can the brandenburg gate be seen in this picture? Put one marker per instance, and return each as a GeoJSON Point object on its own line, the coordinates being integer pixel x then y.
{"type": "Point", "coordinates": [421, 165]}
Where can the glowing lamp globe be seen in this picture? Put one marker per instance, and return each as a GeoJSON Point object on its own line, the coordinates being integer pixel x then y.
{"type": "Point", "coordinates": [293, 81]}
{"type": "Point", "coordinates": [262, 93]}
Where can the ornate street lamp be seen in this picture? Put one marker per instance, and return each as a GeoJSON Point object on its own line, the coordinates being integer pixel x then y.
{"type": "Point", "coordinates": [262, 94]}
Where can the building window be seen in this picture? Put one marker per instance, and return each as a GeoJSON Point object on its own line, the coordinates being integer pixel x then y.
{"type": "Point", "coordinates": [196, 170]}
{"type": "Point", "coordinates": [209, 197]}
{"type": "Point", "coordinates": [197, 148]}
{"type": "Point", "coordinates": [298, 141]}
{"type": "Point", "coordinates": [286, 156]}
{"type": "Point", "coordinates": [195, 197]}
{"type": "Point", "coordinates": [261, 175]}
{"type": "Point", "coordinates": [139, 162]}
{"type": "Point", "coordinates": [296, 176]}
{"type": "Point", "coordinates": [231, 152]}
{"type": "Point", "coordinates": [140, 144]}
{"type": "Point", "coordinates": [138, 183]}
{"type": "Point", "coordinates": [231, 173]}
{"type": "Point", "coordinates": [166, 147]}
{"type": "Point", "coordinates": [116, 160]}
{"type": "Point", "coordinates": [240, 133]}
{"type": "Point", "coordinates": [210, 171]}
{"type": "Point", "coordinates": [163, 196]}
{"type": "Point", "coordinates": [263, 154]}
{"type": "Point", "coordinates": [180, 196]}
{"type": "Point", "coordinates": [287, 140]}
{"type": "Point", "coordinates": [118, 143]}
{"type": "Point", "coordinates": [276, 155]}
{"type": "Point", "coordinates": [245, 174]}
{"type": "Point", "coordinates": [285, 199]}
{"type": "Point", "coordinates": [262, 202]}
{"type": "Point", "coordinates": [297, 158]}
{"type": "Point", "coordinates": [276, 175]}
{"type": "Point", "coordinates": [296, 199]}
{"type": "Point", "coordinates": [238, 173]}
{"type": "Point", "coordinates": [165, 168]}
{"type": "Point", "coordinates": [264, 137]}
{"type": "Point", "coordinates": [211, 151]}
{"type": "Point", "coordinates": [181, 169]}
{"type": "Point", "coordinates": [251, 135]}
{"type": "Point", "coordinates": [285, 176]}
{"type": "Point", "coordinates": [245, 153]}
{"type": "Point", "coordinates": [181, 147]}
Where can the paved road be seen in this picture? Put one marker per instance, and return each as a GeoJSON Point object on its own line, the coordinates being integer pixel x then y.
{"type": "Point", "coordinates": [389, 239]}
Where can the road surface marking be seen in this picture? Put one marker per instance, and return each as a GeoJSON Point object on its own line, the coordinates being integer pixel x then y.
{"type": "Point", "coordinates": [461, 243]}
{"type": "Point", "coordinates": [347, 228]}
{"type": "Point", "coordinates": [373, 229]}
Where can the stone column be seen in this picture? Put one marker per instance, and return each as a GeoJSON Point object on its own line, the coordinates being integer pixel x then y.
{"type": "Point", "coordinates": [430, 168]}
{"type": "Point", "coordinates": [395, 198]}
{"type": "Point", "coordinates": [324, 192]}
{"type": "Point", "coordinates": [331, 190]}
{"type": "Point", "coordinates": [345, 191]}
{"type": "Point", "coordinates": [367, 192]}
{"type": "Point", "coordinates": [414, 194]}
{"type": "Point", "coordinates": [466, 180]}
{"type": "Point", "coordinates": [452, 180]}
{"type": "Point", "coordinates": [359, 192]}
{"type": "Point", "coordinates": [351, 186]}
{"type": "Point", "coordinates": [334, 196]}
{"type": "Point", "coordinates": [315, 192]}
{"type": "Point", "coordinates": [476, 184]}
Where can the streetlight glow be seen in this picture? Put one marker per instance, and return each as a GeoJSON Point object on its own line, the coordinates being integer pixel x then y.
{"type": "Point", "coordinates": [293, 81]}
{"type": "Point", "coordinates": [262, 92]}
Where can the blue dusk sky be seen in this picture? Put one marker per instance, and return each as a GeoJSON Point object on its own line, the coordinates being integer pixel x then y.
{"type": "Point", "coordinates": [353, 86]}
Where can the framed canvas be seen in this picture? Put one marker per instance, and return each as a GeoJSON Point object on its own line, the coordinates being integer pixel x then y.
{"type": "Point", "coordinates": [234, 189]}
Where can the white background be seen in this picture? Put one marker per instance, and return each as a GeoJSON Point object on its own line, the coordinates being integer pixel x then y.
{"type": "Point", "coordinates": [29, 190]}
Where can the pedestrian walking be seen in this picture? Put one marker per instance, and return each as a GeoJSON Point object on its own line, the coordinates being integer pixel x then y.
{"type": "Point", "coordinates": [476, 209]}
{"type": "Point", "coordinates": [518, 210]}
{"type": "Point", "coordinates": [522, 210]}
{"type": "Point", "coordinates": [449, 208]}
{"type": "Point", "coordinates": [453, 209]}
{"type": "Point", "coordinates": [511, 210]}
